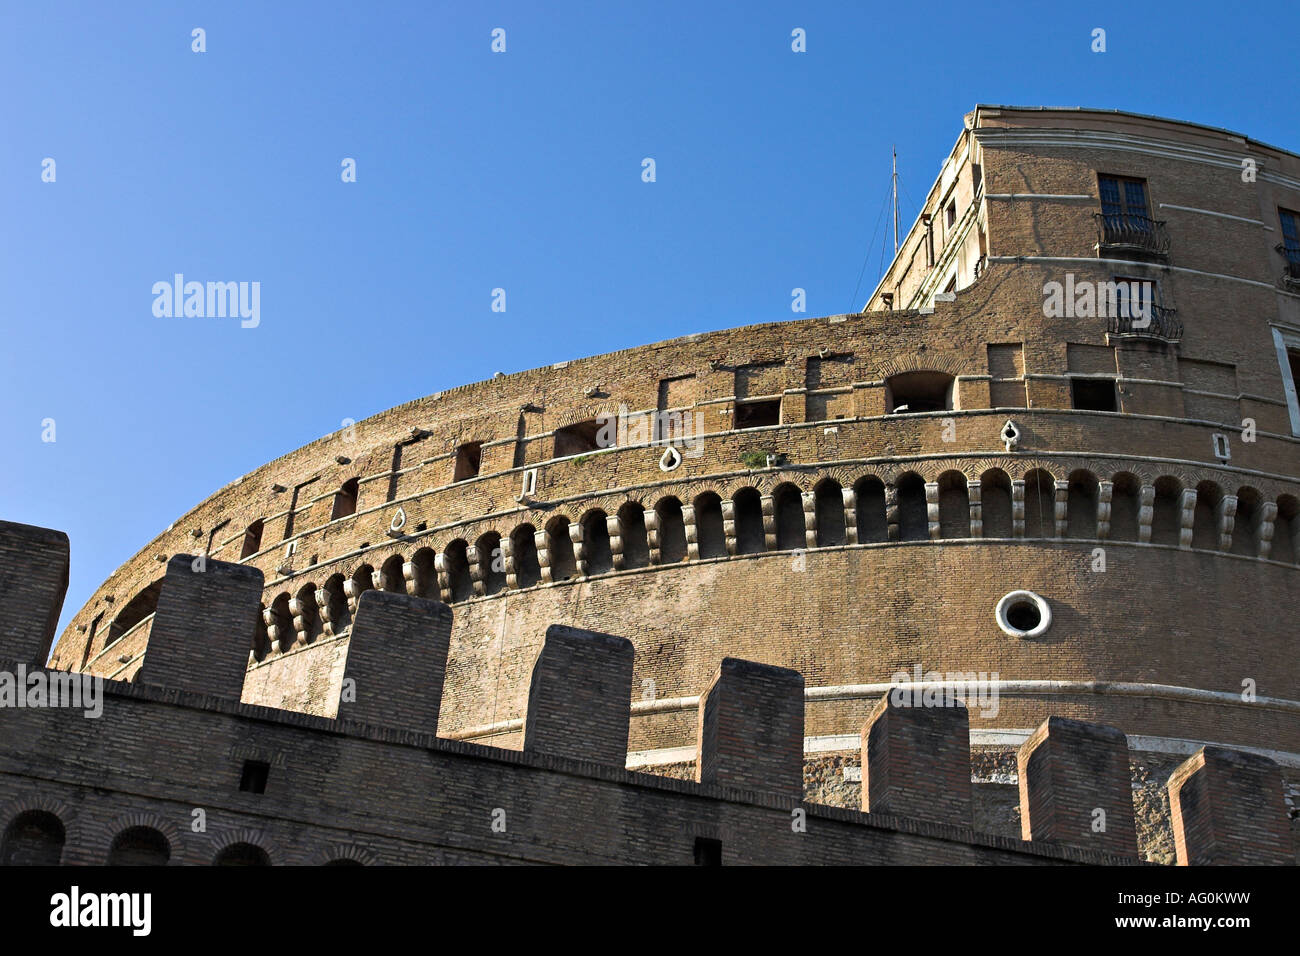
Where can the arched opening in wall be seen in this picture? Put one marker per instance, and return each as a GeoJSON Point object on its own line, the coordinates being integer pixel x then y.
{"type": "Point", "coordinates": [595, 543]}
{"type": "Point", "coordinates": [391, 576]}
{"type": "Point", "coordinates": [523, 551]}
{"type": "Point", "coordinates": [491, 562]}
{"type": "Point", "coordinates": [748, 507]}
{"type": "Point", "coordinates": [285, 633]}
{"type": "Point", "coordinates": [363, 580]}
{"type": "Point", "coordinates": [134, 613]}
{"type": "Point", "coordinates": [636, 544]}
{"type": "Point", "coordinates": [307, 610]}
{"type": "Point", "coordinates": [336, 600]}
{"type": "Point", "coordinates": [1040, 504]}
{"type": "Point", "coordinates": [995, 504]}
{"type": "Point", "coordinates": [345, 500]}
{"type": "Point", "coordinates": [242, 854]}
{"type": "Point", "coordinates": [560, 548]}
{"type": "Point", "coordinates": [672, 531]}
{"type": "Point", "coordinates": [252, 540]}
{"type": "Point", "coordinates": [1081, 505]}
{"type": "Point", "coordinates": [787, 503]}
{"type": "Point", "coordinates": [33, 838]}
{"type": "Point", "coordinates": [1167, 512]}
{"type": "Point", "coordinates": [1205, 524]}
{"type": "Point", "coordinates": [828, 508]}
{"type": "Point", "coordinates": [869, 493]}
{"type": "Point", "coordinates": [425, 566]}
{"type": "Point", "coordinates": [913, 520]}
{"type": "Point", "coordinates": [455, 561]}
{"type": "Point", "coordinates": [709, 530]}
{"type": "Point", "coordinates": [924, 391]}
{"type": "Point", "coordinates": [139, 846]}
{"type": "Point", "coordinates": [1245, 530]}
{"type": "Point", "coordinates": [1285, 530]}
{"type": "Point", "coordinates": [1124, 503]}
{"type": "Point", "coordinates": [954, 505]}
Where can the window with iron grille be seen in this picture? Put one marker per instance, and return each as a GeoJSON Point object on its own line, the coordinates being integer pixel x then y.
{"type": "Point", "coordinates": [1290, 234]}
{"type": "Point", "coordinates": [1122, 197]}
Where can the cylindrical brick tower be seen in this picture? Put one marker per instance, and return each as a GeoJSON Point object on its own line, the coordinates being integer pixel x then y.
{"type": "Point", "coordinates": [1057, 450]}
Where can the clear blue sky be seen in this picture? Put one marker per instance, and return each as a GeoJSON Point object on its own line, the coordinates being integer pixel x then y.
{"type": "Point", "coordinates": [475, 171]}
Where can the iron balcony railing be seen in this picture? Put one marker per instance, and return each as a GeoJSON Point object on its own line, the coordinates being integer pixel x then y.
{"type": "Point", "coordinates": [1159, 323]}
{"type": "Point", "coordinates": [1123, 232]}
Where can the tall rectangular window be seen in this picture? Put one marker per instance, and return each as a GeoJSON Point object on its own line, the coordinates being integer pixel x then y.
{"type": "Point", "coordinates": [1290, 247]}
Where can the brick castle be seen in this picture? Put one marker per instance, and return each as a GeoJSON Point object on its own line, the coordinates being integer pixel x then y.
{"type": "Point", "coordinates": [1057, 449]}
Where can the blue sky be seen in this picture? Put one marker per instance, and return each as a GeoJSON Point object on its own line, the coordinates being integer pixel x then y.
{"type": "Point", "coordinates": [478, 170]}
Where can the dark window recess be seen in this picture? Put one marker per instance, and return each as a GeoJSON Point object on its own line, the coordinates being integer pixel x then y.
{"type": "Point", "coordinates": [921, 391]}
{"type": "Point", "coordinates": [468, 459]}
{"type": "Point", "coordinates": [1093, 394]}
{"type": "Point", "coordinates": [577, 439]}
{"type": "Point", "coordinates": [758, 414]}
{"type": "Point", "coordinates": [950, 215]}
{"type": "Point", "coordinates": [1293, 360]}
{"type": "Point", "coordinates": [708, 852]}
{"type": "Point", "coordinates": [253, 779]}
{"type": "Point", "coordinates": [1024, 616]}
{"type": "Point", "coordinates": [345, 500]}
{"type": "Point", "coordinates": [252, 540]}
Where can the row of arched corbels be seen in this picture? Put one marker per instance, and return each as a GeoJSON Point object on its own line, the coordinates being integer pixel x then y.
{"type": "Point", "coordinates": [828, 509]}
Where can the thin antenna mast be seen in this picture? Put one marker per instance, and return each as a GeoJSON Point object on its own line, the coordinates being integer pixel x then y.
{"type": "Point", "coordinates": [895, 200]}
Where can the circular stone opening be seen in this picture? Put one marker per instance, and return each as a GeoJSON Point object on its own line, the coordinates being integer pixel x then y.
{"type": "Point", "coordinates": [1023, 614]}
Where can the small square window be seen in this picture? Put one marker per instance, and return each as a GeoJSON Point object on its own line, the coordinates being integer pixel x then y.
{"type": "Point", "coordinates": [1093, 394]}
{"type": "Point", "coordinates": [254, 777]}
{"type": "Point", "coordinates": [708, 852]}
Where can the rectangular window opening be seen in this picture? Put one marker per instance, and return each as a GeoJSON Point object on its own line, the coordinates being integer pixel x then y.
{"type": "Point", "coordinates": [708, 852]}
{"type": "Point", "coordinates": [758, 414]}
{"type": "Point", "coordinates": [1093, 394]}
{"type": "Point", "coordinates": [254, 776]}
{"type": "Point", "coordinates": [469, 457]}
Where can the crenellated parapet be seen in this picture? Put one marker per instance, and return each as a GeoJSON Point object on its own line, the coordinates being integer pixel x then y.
{"type": "Point", "coordinates": [916, 784]}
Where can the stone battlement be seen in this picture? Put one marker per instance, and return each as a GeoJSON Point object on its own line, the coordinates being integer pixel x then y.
{"type": "Point", "coordinates": [175, 767]}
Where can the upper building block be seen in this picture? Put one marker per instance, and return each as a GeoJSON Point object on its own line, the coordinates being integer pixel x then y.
{"type": "Point", "coordinates": [579, 700]}
{"type": "Point", "coordinates": [397, 660]}
{"type": "Point", "coordinates": [206, 619]}
{"type": "Point", "coordinates": [751, 729]}
{"type": "Point", "coordinates": [916, 762]}
{"type": "Point", "coordinates": [33, 581]}
{"type": "Point", "coordinates": [1227, 809]}
{"type": "Point", "coordinates": [1075, 786]}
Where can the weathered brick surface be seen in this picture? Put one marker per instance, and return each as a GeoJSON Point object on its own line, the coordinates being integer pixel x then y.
{"type": "Point", "coordinates": [1070, 770]}
{"type": "Point", "coordinates": [207, 612]}
{"type": "Point", "coordinates": [578, 698]}
{"type": "Point", "coordinates": [33, 580]}
{"type": "Point", "coordinates": [397, 660]}
{"type": "Point", "coordinates": [916, 762]}
{"type": "Point", "coordinates": [1227, 809]}
{"type": "Point", "coordinates": [751, 728]}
